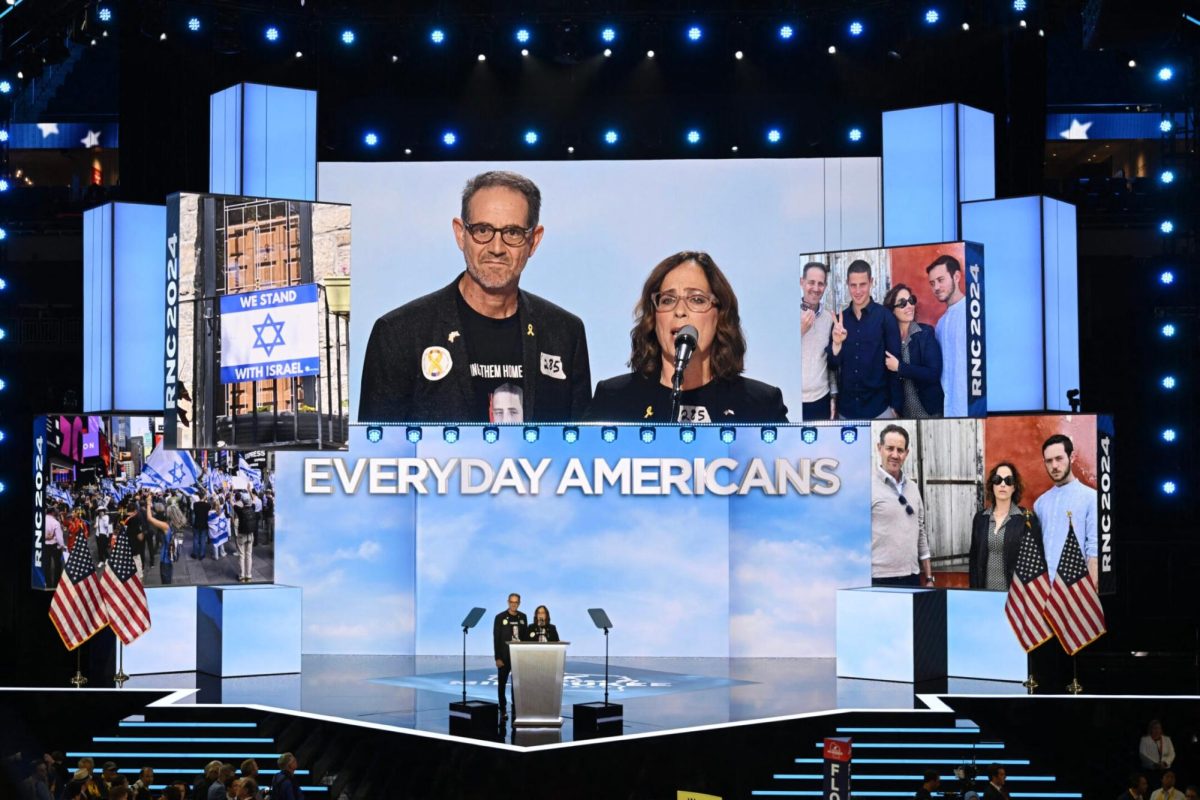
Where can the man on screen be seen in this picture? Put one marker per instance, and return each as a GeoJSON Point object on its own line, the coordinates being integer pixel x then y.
{"type": "Point", "coordinates": [510, 625]}
{"type": "Point", "coordinates": [945, 278]}
{"type": "Point", "coordinates": [899, 544]}
{"type": "Point", "coordinates": [441, 357]}
{"type": "Point", "coordinates": [1069, 505]}
{"type": "Point", "coordinates": [816, 325]}
{"type": "Point", "coordinates": [862, 333]}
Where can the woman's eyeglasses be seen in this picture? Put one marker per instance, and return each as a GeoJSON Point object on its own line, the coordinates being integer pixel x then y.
{"type": "Point", "coordinates": [1007, 480]}
{"type": "Point", "coordinates": [906, 301]}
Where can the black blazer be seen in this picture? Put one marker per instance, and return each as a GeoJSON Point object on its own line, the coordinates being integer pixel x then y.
{"type": "Point", "coordinates": [1013, 528]}
{"type": "Point", "coordinates": [625, 399]}
{"type": "Point", "coordinates": [924, 370]}
{"type": "Point", "coordinates": [502, 634]}
{"type": "Point", "coordinates": [990, 792]}
{"type": "Point", "coordinates": [396, 387]}
{"type": "Point", "coordinates": [551, 633]}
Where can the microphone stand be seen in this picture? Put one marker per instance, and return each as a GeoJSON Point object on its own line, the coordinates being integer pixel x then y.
{"type": "Point", "coordinates": [464, 664]}
{"type": "Point", "coordinates": [606, 667]}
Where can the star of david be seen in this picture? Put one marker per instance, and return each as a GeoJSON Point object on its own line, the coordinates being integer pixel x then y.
{"type": "Point", "coordinates": [276, 328]}
{"type": "Point", "coordinates": [177, 473]}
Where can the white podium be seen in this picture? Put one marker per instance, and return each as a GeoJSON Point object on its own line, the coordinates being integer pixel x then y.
{"type": "Point", "coordinates": [537, 675]}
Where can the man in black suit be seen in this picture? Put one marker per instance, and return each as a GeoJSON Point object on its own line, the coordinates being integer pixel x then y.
{"type": "Point", "coordinates": [510, 625]}
{"type": "Point", "coordinates": [930, 783]}
{"type": "Point", "coordinates": [995, 789]}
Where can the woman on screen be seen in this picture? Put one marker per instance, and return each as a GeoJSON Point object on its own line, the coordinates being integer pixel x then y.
{"type": "Point", "coordinates": [541, 630]}
{"type": "Point", "coordinates": [996, 530]}
{"type": "Point", "coordinates": [687, 289]}
{"type": "Point", "coordinates": [919, 362]}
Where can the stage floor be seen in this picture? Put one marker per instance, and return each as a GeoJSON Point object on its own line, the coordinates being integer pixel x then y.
{"type": "Point", "coordinates": [658, 694]}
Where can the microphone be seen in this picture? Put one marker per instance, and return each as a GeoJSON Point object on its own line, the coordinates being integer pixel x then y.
{"type": "Point", "coordinates": [685, 347]}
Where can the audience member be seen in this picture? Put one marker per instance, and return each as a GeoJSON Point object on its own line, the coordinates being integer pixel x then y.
{"type": "Point", "coordinates": [283, 785]}
{"type": "Point", "coordinates": [995, 789]}
{"type": "Point", "coordinates": [1156, 750]}
{"type": "Point", "coordinates": [1168, 790]}
{"type": "Point", "coordinates": [930, 783]}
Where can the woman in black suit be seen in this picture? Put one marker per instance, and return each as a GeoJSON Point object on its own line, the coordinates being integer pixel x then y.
{"type": "Point", "coordinates": [996, 530]}
{"type": "Point", "coordinates": [919, 362]}
{"type": "Point", "coordinates": [540, 630]}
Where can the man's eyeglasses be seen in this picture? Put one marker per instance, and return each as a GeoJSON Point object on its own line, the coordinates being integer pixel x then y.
{"type": "Point", "coordinates": [907, 507]}
{"type": "Point", "coordinates": [512, 235]}
{"type": "Point", "coordinates": [1007, 480]}
{"type": "Point", "coordinates": [906, 301]}
{"type": "Point", "coordinates": [695, 302]}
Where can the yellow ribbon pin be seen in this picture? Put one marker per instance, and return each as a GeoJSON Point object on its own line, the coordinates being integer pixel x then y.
{"type": "Point", "coordinates": [649, 412]}
{"type": "Point", "coordinates": [529, 329]}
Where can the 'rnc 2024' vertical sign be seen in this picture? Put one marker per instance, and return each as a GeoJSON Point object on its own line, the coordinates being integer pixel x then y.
{"type": "Point", "coordinates": [837, 769]}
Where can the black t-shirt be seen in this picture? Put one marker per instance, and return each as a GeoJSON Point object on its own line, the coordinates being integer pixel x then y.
{"type": "Point", "coordinates": [636, 398]}
{"type": "Point", "coordinates": [496, 357]}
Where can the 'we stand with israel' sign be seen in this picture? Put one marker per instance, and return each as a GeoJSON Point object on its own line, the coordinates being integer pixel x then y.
{"type": "Point", "coordinates": [270, 334]}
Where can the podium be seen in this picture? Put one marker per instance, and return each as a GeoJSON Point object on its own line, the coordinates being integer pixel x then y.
{"type": "Point", "coordinates": [537, 676]}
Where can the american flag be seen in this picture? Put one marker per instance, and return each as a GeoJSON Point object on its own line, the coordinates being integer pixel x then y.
{"type": "Point", "coordinates": [124, 595]}
{"type": "Point", "coordinates": [1074, 606]}
{"type": "Point", "coordinates": [1028, 591]}
{"type": "Point", "coordinates": [77, 609]}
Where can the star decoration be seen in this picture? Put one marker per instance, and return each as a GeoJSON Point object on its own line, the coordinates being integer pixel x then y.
{"type": "Point", "coordinates": [177, 473]}
{"type": "Point", "coordinates": [48, 128]}
{"type": "Point", "coordinates": [277, 331]}
{"type": "Point", "coordinates": [1078, 130]}
{"type": "Point", "coordinates": [92, 139]}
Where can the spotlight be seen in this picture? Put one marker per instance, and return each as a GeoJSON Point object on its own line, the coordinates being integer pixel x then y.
{"type": "Point", "coordinates": [773, 136]}
{"type": "Point", "coordinates": [3, 284]}
{"type": "Point", "coordinates": [1166, 125]}
{"type": "Point", "coordinates": [849, 434]}
{"type": "Point", "coordinates": [1168, 487]}
{"type": "Point", "coordinates": [832, 50]}
{"type": "Point", "coordinates": [272, 34]}
{"type": "Point", "coordinates": [966, 26]}
{"type": "Point", "coordinates": [808, 435]}
{"type": "Point", "coordinates": [523, 35]}
{"type": "Point", "coordinates": [1023, 24]}
{"type": "Point", "coordinates": [649, 54]}
{"type": "Point", "coordinates": [728, 435]}
{"type": "Point", "coordinates": [531, 137]}
{"type": "Point", "coordinates": [5, 87]}
{"type": "Point", "coordinates": [3, 385]}
{"type": "Point", "coordinates": [3, 234]}
{"type": "Point", "coordinates": [647, 434]}
{"type": "Point", "coordinates": [1020, 5]}
{"type": "Point", "coordinates": [570, 149]}
{"type": "Point", "coordinates": [491, 434]}
{"type": "Point", "coordinates": [395, 59]}
{"type": "Point", "coordinates": [371, 139]}
{"type": "Point", "coordinates": [687, 434]}
{"type": "Point", "coordinates": [694, 34]}
{"type": "Point", "coordinates": [1167, 226]}
{"type": "Point", "coordinates": [1168, 434]}
{"type": "Point", "coordinates": [437, 36]}
{"type": "Point", "coordinates": [481, 58]}
{"type": "Point", "coordinates": [1166, 73]}
{"type": "Point", "coordinates": [162, 37]}
{"type": "Point", "coordinates": [413, 433]}
{"type": "Point", "coordinates": [571, 434]}
{"type": "Point", "coordinates": [611, 137]}
{"type": "Point", "coordinates": [450, 435]}
{"type": "Point", "coordinates": [3, 185]}
{"type": "Point", "coordinates": [932, 16]}
{"type": "Point", "coordinates": [408, 151]}
{"type": "Point", "coordinates": [733, 149]}
{"type": "Point", "coordinates": [524, 51]}
{"type": "Point", "coordinates": [193, 24]}
{"type": "Point", "coordinates": [2, 487]}
{"type": "Point", "coordinates": [1168, 330]}
{"type": "Point", "coordinates": [739, 55]}
{"type": "Point", "coordinates": [1166, 278]}
{"type": "Point", "coordinates": [104, 14]}
{"type": "Point", "coordinates": [3, 435]}
{"type": "Point", "coordinates": [693, 136]}
{"type": "Point", "coordinates": [299, 54]}
{"type": "Point", "coordinates": [786, 32]}
{"type": "Point", "coordinates": [348, 36]}
{"type": "Point", "coordinates": [1132, 64]}
{"type": "Point", "coordinates": [1168, 382]}
{"type": "Point", "coordinates": [449, 138]}
{"type": "Point", "coordinates": [531, 433]}
{"type": "Point", "coordinates": [3, 135]}
{"type": "Point", "coordinates": [2, 334]}
{"type": "Point", "coordinates": [608, 35]}
{"type": "Point", "coordinates": [374, 434]}
{"type": "Point", "coordinates": [1167, 176]}
{"type": "Point", "coordinates": [608, 433]}
{"type": "Point", "coordinates": [855, 134]}
{"type": "Point", "coordinates": [856, 28]}
{"type": "Point", "coordinates": [607, 52]}
{"type": "Point", "coordinates": [769, 435]}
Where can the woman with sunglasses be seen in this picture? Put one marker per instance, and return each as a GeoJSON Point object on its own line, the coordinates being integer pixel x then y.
{"type": "Point", "coordinates": [919, 362]}
{"type": "Point", "coordinates": [996, 530]}
{"type": "Point", "coordinates": [687, 290]}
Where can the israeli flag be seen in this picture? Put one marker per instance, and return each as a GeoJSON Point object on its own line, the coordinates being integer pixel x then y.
{"type": "Point", "coordinates": [218, 528]}
{"type": "Point", "coordinates": [270, 334]}
{"type": "Point", "coordinates": [251, 474]}
{"type": "Point", "coordinates": [171, 469]}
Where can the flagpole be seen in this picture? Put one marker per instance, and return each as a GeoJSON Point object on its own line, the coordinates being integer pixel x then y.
{"type": "Point", "coordinates": [1029, 683]}
{"type": "Point", "coordinates": [120, 677]}
{"type": "Point", "coordinates": [1074, 686]}
{"type": "Point", "coordinates": [78, 681]}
